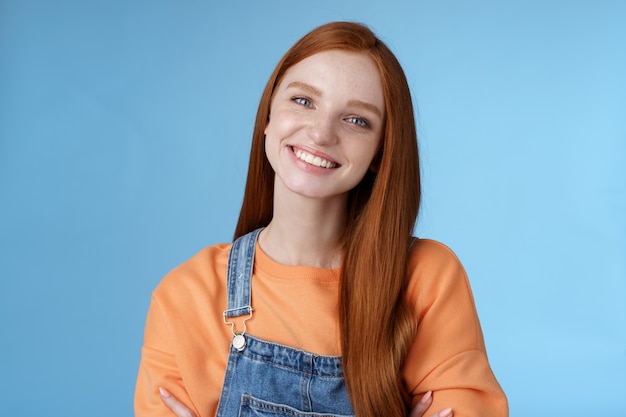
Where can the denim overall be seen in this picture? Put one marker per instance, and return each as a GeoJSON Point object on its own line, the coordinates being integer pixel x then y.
{"type": "Point", "coordinates": [267, 379]}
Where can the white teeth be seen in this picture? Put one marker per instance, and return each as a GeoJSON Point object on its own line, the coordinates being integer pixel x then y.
{"type": "Point", "coordinates": [313, 160]}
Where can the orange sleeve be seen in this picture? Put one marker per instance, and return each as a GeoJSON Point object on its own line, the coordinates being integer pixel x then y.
{"type": "Point", "coordinates": [448, 354]}
{"type": "Point", "coordinates": [186, 343]}
{"type": "Point", "coordinates": [158, 368]}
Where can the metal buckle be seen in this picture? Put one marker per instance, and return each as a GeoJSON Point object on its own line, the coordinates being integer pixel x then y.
{"type": "Point", "coordinates": [239, 340]}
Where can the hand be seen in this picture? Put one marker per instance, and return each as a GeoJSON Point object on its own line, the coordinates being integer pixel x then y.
{"type": "Point", "coordinates": [423, 405]}
{"type": "Point", "coordinates": [176, 406]}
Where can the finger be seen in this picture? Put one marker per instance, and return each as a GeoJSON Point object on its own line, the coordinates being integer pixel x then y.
{"type": "Point", "coordinates": [176, 406]}
{"type": "Point", "coordinates": [422, 405]}
{"type": "Point", "coordinates": [446, 412]}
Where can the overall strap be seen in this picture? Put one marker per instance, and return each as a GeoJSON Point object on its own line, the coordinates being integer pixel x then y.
{"type": "Point", "coordinates": [238, 283]}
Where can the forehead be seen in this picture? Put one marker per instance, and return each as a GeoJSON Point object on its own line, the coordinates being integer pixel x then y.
{"type": "Point", "coordinates": [337, 72]}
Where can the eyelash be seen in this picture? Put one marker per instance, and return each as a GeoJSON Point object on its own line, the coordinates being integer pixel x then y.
{"type": "Point", "coordinates": [300, 100]}
{"type": "Point", "coordinates": [357, 121]}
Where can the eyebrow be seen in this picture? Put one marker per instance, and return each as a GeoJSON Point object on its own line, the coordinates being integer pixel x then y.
{"type": "Point", "coordinates": [352, 103]}
{"type": "Point", "coordinates": [306, 87]}
{"type": "Point", "coordinates": [367, 106]}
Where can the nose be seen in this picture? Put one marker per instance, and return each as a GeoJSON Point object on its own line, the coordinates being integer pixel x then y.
{"type": "Point", "coordinates": [323, 130]}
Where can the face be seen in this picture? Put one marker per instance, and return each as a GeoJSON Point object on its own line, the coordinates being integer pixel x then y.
{"type": "Point", "coordinates": [326, 123]}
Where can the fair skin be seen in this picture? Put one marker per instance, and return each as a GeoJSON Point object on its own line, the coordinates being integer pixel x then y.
{"type": "Point", "coordinates": [325, 127]}
{"type": "Point", "coordinates": [329, 106]}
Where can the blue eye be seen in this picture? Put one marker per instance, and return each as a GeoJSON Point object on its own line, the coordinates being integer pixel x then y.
{"type": "Point", "coordinates": [358, 121]}
{"type": "Point", "coordinates": [302, 101]}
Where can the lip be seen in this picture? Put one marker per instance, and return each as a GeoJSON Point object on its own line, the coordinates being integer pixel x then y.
{"type": "Point", "coordinates": [315, 153]}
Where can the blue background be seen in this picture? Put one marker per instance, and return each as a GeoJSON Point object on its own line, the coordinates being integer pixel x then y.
{"type": "Point", "coordinates": [124, 137]}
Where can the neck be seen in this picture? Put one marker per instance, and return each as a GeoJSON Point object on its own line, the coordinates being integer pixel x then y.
{"type": "Point", "coordinates": [305, 231]}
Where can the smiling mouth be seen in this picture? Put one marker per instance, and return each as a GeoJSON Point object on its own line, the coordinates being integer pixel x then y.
{"type": "Point", "coordinates": [313, 160]}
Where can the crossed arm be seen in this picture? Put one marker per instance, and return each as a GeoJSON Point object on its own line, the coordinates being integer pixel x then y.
{"type": "Point", "coordinates": [180, 410]}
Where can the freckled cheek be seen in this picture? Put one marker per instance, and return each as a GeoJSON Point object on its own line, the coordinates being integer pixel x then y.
{"type": "Point", "coordinates": [278, 134]}
{"type": "Point", "coordinates": [362, 154]}
{"type": "Point", "coordinates": [282, 127]}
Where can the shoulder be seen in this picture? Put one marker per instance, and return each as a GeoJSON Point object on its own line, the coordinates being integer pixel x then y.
{"type": "Point", "coordinates": [201, 275]}
{"type": "Point", "coordinates": [431, 256]}
{"type": "Point", "coordinates": [432, 247]}
{"type": "Point", "coordinates": [434, 271]}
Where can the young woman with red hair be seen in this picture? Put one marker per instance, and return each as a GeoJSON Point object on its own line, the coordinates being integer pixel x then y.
{"type": "Point", "coordinates": [325, 304]}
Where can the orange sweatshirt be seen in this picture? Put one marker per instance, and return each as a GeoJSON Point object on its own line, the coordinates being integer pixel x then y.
{"type": "Point", "coordinates": [186, 342]}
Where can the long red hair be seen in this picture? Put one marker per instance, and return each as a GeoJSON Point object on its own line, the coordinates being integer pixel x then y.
{"type": "Point", "coordinates": [376, 324]}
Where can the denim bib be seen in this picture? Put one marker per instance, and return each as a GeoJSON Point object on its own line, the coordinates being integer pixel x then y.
{"type": "Point", "coordinates": [266, 379]}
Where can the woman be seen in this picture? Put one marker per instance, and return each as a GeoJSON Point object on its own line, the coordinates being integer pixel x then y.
{"type": "Point", "coordinates": [326, 302]}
